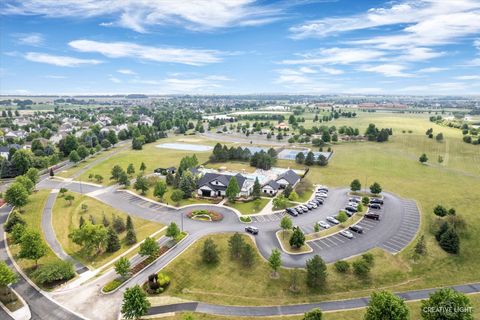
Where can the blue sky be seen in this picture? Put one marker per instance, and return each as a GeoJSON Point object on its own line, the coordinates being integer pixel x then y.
{"type": "Point", "coordinates": [240, 47]}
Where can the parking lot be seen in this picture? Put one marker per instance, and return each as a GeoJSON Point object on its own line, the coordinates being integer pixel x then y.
{"type": "Point", "coordinates": [269, 217]}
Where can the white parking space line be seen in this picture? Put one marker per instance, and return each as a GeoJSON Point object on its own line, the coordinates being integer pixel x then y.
{"type": "Point", "coordinates": [326, 244]}
{"type": "Point", "coordinates": [404, 237]}
{"type": "Point", "coordinates": [339, 238]}
{"type": "Point", "coordinates": [330, 241]}
{"type": "Point", "coordinates": [316, 244]}
{"type": "Point", "coordinates": [396, 242]}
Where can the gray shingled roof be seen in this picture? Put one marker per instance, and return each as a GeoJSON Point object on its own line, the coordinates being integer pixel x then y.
{"type": "Point", "coordinates": [290, 176]}
{"type": "Point", "coordinates": [208, 177]}
{"type": "Point", "coordinates": [273, 184]}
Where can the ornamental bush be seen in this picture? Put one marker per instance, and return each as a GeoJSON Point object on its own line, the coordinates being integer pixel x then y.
{"type": "Point", "coordinates": [54, 272]}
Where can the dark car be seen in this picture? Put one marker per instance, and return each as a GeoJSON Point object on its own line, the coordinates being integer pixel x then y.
{"type": "Point", "coordinates": [372, 215]}
{"type": "Point", "coordinates": [354, 199]}
{"type": "Point", "coordinates": [317, 201]}
{"type": "Point", "coordinates": [251, 230]}
{"type": "Point", "coordinates": [375, 206]}
{"type": "Point", "coordinates": [376, 200]}
{"type": "Point", "coordinates": [299, 210]}
{"type": "Point", "coordinates": [351, 209]}
{"type": "Point", "coordinates": [356, 229]}
{"type": "Point", "coordinates": [292, 212]}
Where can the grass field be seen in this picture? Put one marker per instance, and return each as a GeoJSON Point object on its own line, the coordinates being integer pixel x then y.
{"type": "Point", "coordinates": [284, 236]}
{"type": "Point", "coordinates": [356, 314]}
{"type": "Point", "coordinates": [33, 216]}
{"type": "Point", "coordinates": [250, 207]}
{"type": "Point", "coordinates": [66, 219]}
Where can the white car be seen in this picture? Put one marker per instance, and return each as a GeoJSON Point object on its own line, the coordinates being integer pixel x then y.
{"type": "Point", "coordinates": [353, 204]}
{"type": "Point", "coordinates": [305, 208]}
{"type": "Point", "coordinates": [320, 194]}
{"type": "Point", "coordinates": [314, 205]}
{"type": "Point", "coordinates": [323, 224]}
{"type": "Point", "coordinates": [346, 234]}
{"type": "Point", "coordinates": [332, 220]}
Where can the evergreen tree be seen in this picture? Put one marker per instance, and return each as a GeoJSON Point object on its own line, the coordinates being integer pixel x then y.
{"type": "Point", "coordinates": [248, 255]}
{"type": "Point", "coordinates": [316, 272]}
{"type": "Point", "coordinates": [130, 237]}
{"type": "Point", "coordinates": [275, 262]}
{"type": "Point", "coordinates": [235, 245]}
{"type": "Point", "coordinates": [232, 189]}
{"type": "Point", "coordinates": [310, 159]}
{"type": "Point", "coordinates": [385, 305]}
{"type": "Point", "coordinates": [113, 243]}
{"type": "Point", "coordinates": [450, 241]}
{"type": "Point", "coordinates": [257, 189]}
{"type": "Point", "coordinates": [135, 303]}
{"type": "Point", "coordinates": [130, 169]}
{"type": "Point", "coordinates": [314, 314]}
{"type": "Point", "coordinates": [210, 252]}
{"type": "Point", "coordinates": [297, 239]}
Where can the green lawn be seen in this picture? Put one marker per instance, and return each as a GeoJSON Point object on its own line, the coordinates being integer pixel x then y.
{"type": "Point", "coordinates": [33, 216]}
{"type": "Point", "coordinates": [167, 198]}
{"type": "Point", "coordinates": [284, 237]}
{"type": "Point", "coordinates": [66, 218]}
{"type": "Point", "coordinates": [249, 207]}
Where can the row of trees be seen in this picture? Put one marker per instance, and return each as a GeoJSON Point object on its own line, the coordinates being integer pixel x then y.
{"type": "Point", "coordinates": [261, 159]}
{"type": "Point", "coordinates": [380, 135]}
{"type": "Point", "coordinates": [309, 160]}
{"type": "Point", "coordinates": [375, 187]}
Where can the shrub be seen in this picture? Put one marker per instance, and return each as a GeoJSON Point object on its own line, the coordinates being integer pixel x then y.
{"type": "Point", "coordinates": [54, 272]}
{"type": "Point", "coordinates": [368, 258]}
{"type": "Point", "coordinates": [13, 220]}
{"type": "Point", "coordinates": [361, 268]}
{"type": "Point", "coordinates": [342, 266]}
{"type": "Point", "coordinates": [112, 285]}
{"type": "Point", "coordinates": [342, 216]}
{"type": "Point", "coordinates": [246, 219]}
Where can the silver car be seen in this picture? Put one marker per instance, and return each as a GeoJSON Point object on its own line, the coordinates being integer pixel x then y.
{"type": "Point", "coordinates": [346, 234]}
{"type": "Point", "coordinates": [332, 220]}
{"type": "Point", "coordinates": [323, 224]}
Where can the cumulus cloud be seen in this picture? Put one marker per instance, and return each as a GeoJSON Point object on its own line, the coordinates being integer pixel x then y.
{"type": "Point", "coordinates": [30, 39]}
{"type": "Point", "coordinates": [61, 61]}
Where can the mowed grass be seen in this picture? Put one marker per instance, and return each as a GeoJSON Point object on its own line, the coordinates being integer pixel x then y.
{"type": "Point", "coordinates": [231, 283]}
{"type": "Point", "coordinates": [167, 198]}
{"type": "Point", "coordinates": [66, 218]}
{"type": "Point", "coordinates": [249, 207]}
{"type": "Point", "coordinates": [357, 314]}
{"type": "Point", "coordinates": [33, 216]}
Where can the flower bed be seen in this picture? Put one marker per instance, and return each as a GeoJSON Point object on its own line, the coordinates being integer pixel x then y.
{"type": "Point", "coordinates": [156, 283]}
{"type": "Point", "coordinates": [206, 215]}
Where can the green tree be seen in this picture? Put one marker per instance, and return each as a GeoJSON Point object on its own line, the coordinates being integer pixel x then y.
{"type": "Point", "coordinates": [450, 241]}
{"type": "Point", "coordinates": [130, 169]}
{"type": "Point", "coordinates": [122, 267]}
{"type": "Point", "coordinates": [26, 182]}
{"type": "Point", "coordinates": [286, 224]}
{"type": "Point", "coordinates": [16, 195]}
{"type": "Point", "coordinates": [187, 184]}
{"type": "Point", "coordinates": [116, 172]}
{"type": "Point", "coordinates": [248, 255]}
{"type": "Point", "coordinates": [177, 196]}
{"type": "Point", "coordinates": [172, 231]}
{"type": "Point", "coordinates": [316, 227]}
{"type": "Point", "coordinates": [275, 262]}
{"type": "Point", "coordinates": [135, 303]}
{"type": "Point", "coordinates": [293, 196]}
{"type": "Point", "coordinates": [131, 237]}
{"type": "Point", "coordinates": [141, 184]}
{"type": "Point", "coordinates": [17, 233]}
{"type": "Point", "coordinates": [160, 189]}
{"type": "Point", "coordinates": [232, 189]}
{"type": "Point", "coordinates": [385, 305]}
{"type": "Point", "coordinates": [287, 191]}
{"type": "Point", "coordinates": [440, 211]}
{"type": "Point", "coordinates": [423, 158]}
{"type": "Point", "coordinates": [235, 245]}
{"type": "Point", "coordinates": [105, 144]}
{"type": "Point", "coordinates": [280, 202]}
{"type": "Point", "coordinates": [310, 159]}
{"type": "Point", "coordinates": [113, 243]}
{"type": "Point", "coordinates": [361, 268]}
{"type": "Point", "coordinates": [421, 246]}
{"type": "Point", "coordinates": [342, 217]}
{"type": "Point", "coordinates": [33, 175]}
{"type": "Point", "coordinates": [69, 198]}
{"type": "Point", "coordinates": [143, 167]}
{"type": "Point", "coordinates": [297, 239]}
{"type": "Point", "coordinates": [300, 158]}
{"type": "Point", "coordinates": [92, 237]}
{"type": "Point", "coordinates": [257, 189]}
{"type": "Point", "coordinates": [316, 272]}
{"type": "Point", "coordinates": [342, 266]}
{"type": "Point", "coordinates": [32, 246]}
{"type": "Point", "coordinates": [314, 314]}
{"type": "Point", "coordinates": [210, 252]}
{"type": "Point", "coordinates": [73, 156]}
{"type": "Point", "coordinates": [149, 247]}
{"type": "Point", "coordinates": [123, 179]}
{"type": "Point", "coordinates": [22, 160]}
{"type": "Point", "coordinates": [355, 185]}
{"type": "Point", "coordinates": [7, 276]}
{"type": "Point", "coordinates": [82, 152]}
{"type": "Point", "coordinates": [447, 304]}
{"type": "Point", "coordinates": [12, 221]}
{"type": "Point", "coordinates": [375, 188]}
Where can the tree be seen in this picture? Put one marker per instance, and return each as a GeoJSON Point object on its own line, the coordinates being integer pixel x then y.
{"type": "Point", "coordinates": [116, 172]}
{"type": "Point", "coordinates": [342, 266]}
{"type": "Point", "coordinates": [440, 211]}
{"type": "Point", "coordinates": [12, 221]}
{"type": "Point", "coordinates": [310, 159]}
{"type": "Point", "coordinates": [286, 224]}
{"type": "Point", "coordinates": [257, 189]}
{"type": "Point", "coordinates": [232, 189]}
{"type": "Point", "coordinates": [160, 189]}
{"type": "Point", "coordinates": [342, 216]}
{"type": "Point", "coordinates": [275, 262]}
{"type": "Point", "coordinates": [83, 152]}
{"type": "Point", "coordinates": [130, 169]}
{"type": "Point", "coordinates": [375, 188]}
{"type": "Point", "coordinates": [297, 239]}
{"type": "Point", "coordinates": [123, 179]}
{"type": "Point", "coordinates": [316, 272]}
{"type": "Point", "coordinates": [287, 191]}
{"type": "Point", "coordinates": [248, 255]}
{"type": "Point", "coordinates": [69, 198]}
{"type": "Point", "coordinates": [447, 304]}
{"type": "Point", "coordinates": [131, 237]}
{"type": "Point", "coordinates": [141, 184]}
{"type": "Point", "coordinates": [450, 241]}
{"type": "Point", "coordinates": [149, 247]}
{"type": "Point", "coordinates": [105, 144]}
{"type": "Point", "coordinates": [22, 160]}
{"type": "Point", "coordinates": [280, 202]}
{"type": "Point", "coordinates": [439, 137]}
{"type": "Point", "coordinates": [143, 167]}
{"type": "Point", "coordinates": [210, 252]}
{"type": "Point", "coordinates": [300, 158]}
{"type": "Point", "coordinates": [170, 179]}
{"type": "Point", "coordinates": [16, 195]}
{"type": "Point", "coordinates": [385, 305]}
{"type": "Point", "coordinates": [361, 268]}
{"type": "Point", "coordinates": [322, 160]}
{"type": "Point", "coordinates": [113, 243]}
{"type": "Point", "coordinates": [176, 196]}
{"type": "Point", "coordinates": [235, 245]}
{"type": "Point", "coordinates": [355, 185]}
{"type": "Point", "coordinates": [172, 231]}
{"type": "Point", "coordinates": [423, 158]}
{"type": "Point", "coordinates": [27, 183]}
{"type": "Point", "coordinates": [293, 196]}
{"type": "Point", "coordinates": [112, 137]}
{"type": "Point", "coordinates": [7, 276]}
{"type": "Point", "coordinates": [118, 224]}
{"type": "Point", "coordinates": [135, 303]}
{"type": "Point", "coordinates": [187, 184]}
{"type": "Point", "coordinates": [314, 314]}
{"type": "Point", "coordinates": [122, 267]}
{"type": "Point", "coordinates": [33, 175]}
{"type": "Point", "coordinates": [91, 237]}
{"type": "Point", "coordinates": [73, 156]}
{"type": "Point", "coordinates": [32, 246]}
{"type": "Point", "coordinates": [421, 246]}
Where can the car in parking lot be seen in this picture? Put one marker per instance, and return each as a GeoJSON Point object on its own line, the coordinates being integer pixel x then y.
{"type": "Point", "coordinates": [353, 204]}
{"type": "Point", "coordinates": [292, 212]}
{"type": "Point", "coordinates": [376, 200]}
{"type": "Point", "coordinates": [375, 206]}
{"type": "Point", "coordinates": [320, 199]}
{"type": "Point", "coordinates": [321, 188]}
{"type": "Point", "coordinates": [372, 215]}
{"type": "Point", "coordinates": [309, 206]}
{"type": "Point", "coordinates": [314, 204]}
{"type": "Point", "coordinates": [351, 209]}
{"type": "Point", "coordinates": [356, 228]}
{"type": "Point", "coordinates": [317, 202]}
{"type": "Point", "coordinates": [346, 234]}
{"type": "Point", "coordinates": [332, 220]}
{"type": "Point", "coordinates": [299, 210]}
{"type": "Point", "coordinates": [321, 194]}
{"type": "Point", "coordinates": [323, 224]}
{"type": "Point", "coordinates": [252, 230]}
{"type": "Point", "coordinates": [304, 208]}
{"type": "Point", "coordinates": [355, 199]}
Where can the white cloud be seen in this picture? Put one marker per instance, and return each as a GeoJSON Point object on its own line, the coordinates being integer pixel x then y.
{"type": "Point", "coordinates": [431, 70]}
{"type": "Point", "coordinates": [336, 56]}
{"type": "Point", "coordinates": [126, 71]}
{"type": "Point", "coordinates": [62, 61]}
{"type": "Point", "coordinates": [55, 76]}
{"type": "Point", "coordinates": [388, 70]}
{"type": "Point", "coordinates": [196, 57]}
{"type": "Point", "coordinates": [141, 15]}
{"type": "Point", "coordinates": [419, 54]}
{"type": "Point", "coordinates": [185, 83]}
{"type": "Point", "coordinates": [468, 77]}
{"type": "Point", "coordinates": [114, 79]}
{"type": "Point", "coordinates": [30, 39]}
{"type": "Point", "coordinates": [332, 71]}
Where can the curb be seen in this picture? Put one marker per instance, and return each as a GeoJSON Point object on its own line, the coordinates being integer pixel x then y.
{"type": "Point", "coordinates": [22, 313]}
{"type": "Point", "coordinates": [292, 253]}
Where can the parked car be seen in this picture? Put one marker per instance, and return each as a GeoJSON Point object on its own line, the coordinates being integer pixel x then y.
{"type": "Point", "coordinates": [252, 230]}
{"type": "Point", "coordinates": [323, 189]}
{"type": "Point", "coordinates": [372, 215]}
{"type": "Point", "coordinates": [356, 228]}
{"type": "Point", "coordinates": [375, 206]}
{"type": "Point", "coordinates": [299, 210]}
{"type": "Point", "coordinates": [309, 206]}
{"type": "Point", "coordinates": [346, 234]}
{"type": "Point", "coordinates": [353, 204]}
{"type": "Point", "coordinates": [355, 199]}
{"type": "Point", "coordinates": [304, 208]}
{"type": "Point", "coordinates": [321, 194]}
{"type": "Point", "coordinates": [332, 220]}
{"type": "Point", "coordinates": [292, 212]}
{"type": "Point", "coordinates": [351, 209]}
{"type": "Point", "coordinates": [314, 205]}
{"type": "Point", "coordinates": [323, 224]}
{"type": "Point", "coordinates": [376, 200]}
{"type": "Point", "coordinates": [317, 202]}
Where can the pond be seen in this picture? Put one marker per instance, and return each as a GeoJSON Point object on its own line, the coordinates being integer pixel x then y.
{"type": "Point", "coordinates": [184, 146]}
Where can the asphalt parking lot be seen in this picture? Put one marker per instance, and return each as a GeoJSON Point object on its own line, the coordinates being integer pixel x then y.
{"type": "Point", "coordinates": [269, 217]}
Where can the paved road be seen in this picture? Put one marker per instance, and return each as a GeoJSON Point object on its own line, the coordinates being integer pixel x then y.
{"type": "Point", "coordinates": [40, 307]}
{"type": "Point", "coordinates": [283, 310]}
